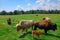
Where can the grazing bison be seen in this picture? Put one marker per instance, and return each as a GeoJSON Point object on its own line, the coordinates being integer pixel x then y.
{"type": "Point", "coordinates": [44, 24]}
{"type": "Point", "coordinates": [37, 15]}
{"type": "Point", "coordinates": [9, 21]}
{"type": "Point", "coordinates": [25, 24]}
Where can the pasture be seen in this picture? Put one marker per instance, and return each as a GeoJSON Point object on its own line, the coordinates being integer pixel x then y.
{"type": "Point", "coordinates": [8, 32]}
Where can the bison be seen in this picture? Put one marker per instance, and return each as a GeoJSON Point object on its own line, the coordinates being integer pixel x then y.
{"type": "Point", "coordinates": [35, 32]}
{"type": "Point", "coordinates": [44, 24]}
{"type": "Point", "coordinates": [9, 21]}
{"type": "Point", "coordinates": [25, 24]}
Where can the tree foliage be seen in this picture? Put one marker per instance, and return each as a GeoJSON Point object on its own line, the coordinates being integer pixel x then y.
{"type": "Point", "coordinates": [17, 12]}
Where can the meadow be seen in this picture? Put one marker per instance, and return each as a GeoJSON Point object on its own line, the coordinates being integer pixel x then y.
{"type": "Point", "coordinates": [8, 32]}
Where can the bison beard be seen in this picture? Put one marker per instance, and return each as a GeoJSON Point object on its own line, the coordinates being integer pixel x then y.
{"type": "Point", "coordinates": [51, 26]}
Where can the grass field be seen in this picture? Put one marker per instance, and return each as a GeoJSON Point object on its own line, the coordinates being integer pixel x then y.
{"type": "Point", "coordinates": [8, 32]}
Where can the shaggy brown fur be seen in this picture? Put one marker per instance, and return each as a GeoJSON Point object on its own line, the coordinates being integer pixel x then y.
{"type": "Point", "coordinates": [44, 24]}
{"type": "Point", "coordinates": [47, 18]}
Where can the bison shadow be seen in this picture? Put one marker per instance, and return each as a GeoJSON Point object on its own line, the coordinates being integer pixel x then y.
{"type": "Point", "coordinates": [38, 39]}
{"type": "Point", "coordinates": [24, 34]}
{"type": "Point", "coordinates": [52, 35]}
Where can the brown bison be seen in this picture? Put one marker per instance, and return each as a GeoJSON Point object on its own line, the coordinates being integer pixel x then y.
{"type": "Point", "coordinates": [25, 24]}
{"type": "Point", "coordinates": [35, 32]}
{"type": "Point", "coordinates": [9, 21]}
{"type": "Point", "coordinates": [44, 24]}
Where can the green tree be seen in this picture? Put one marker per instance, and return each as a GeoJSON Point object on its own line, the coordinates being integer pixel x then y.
{"type": "Point", "coordinates": [3, 12]}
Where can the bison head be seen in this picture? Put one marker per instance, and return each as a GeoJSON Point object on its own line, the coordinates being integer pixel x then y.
{"type": "Point", "coordinates": [18, 27]}
{"type": "Point", "coordinates": [53, 26]}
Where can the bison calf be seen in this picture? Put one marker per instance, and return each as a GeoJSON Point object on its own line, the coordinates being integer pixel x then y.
{"type": "Point", "coordinates": [35, 32]}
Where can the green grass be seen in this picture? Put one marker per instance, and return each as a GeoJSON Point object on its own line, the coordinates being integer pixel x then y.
{"type": "Point", "coordinates": [8, 32]}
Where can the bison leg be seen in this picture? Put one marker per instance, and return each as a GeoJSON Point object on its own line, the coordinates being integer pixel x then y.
{"type": "Point", "coordinates": [45, 30]}
{"type": "Point", "coordinates": [32, 27]}
{"type": "Point", "coordinates": [35, 27]}
{"type": "Point", "coordinates": [38, 37]}
{"type": "Point", "coordinates": [26, 29]}
{"type": "Point", "coordinates": [22, 29]}
{"type": "Point", "coordinates": [32, 35]}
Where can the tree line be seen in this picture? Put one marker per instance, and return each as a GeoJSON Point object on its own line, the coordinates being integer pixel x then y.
{"type": "Point", "coordinates": [17, 12]}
